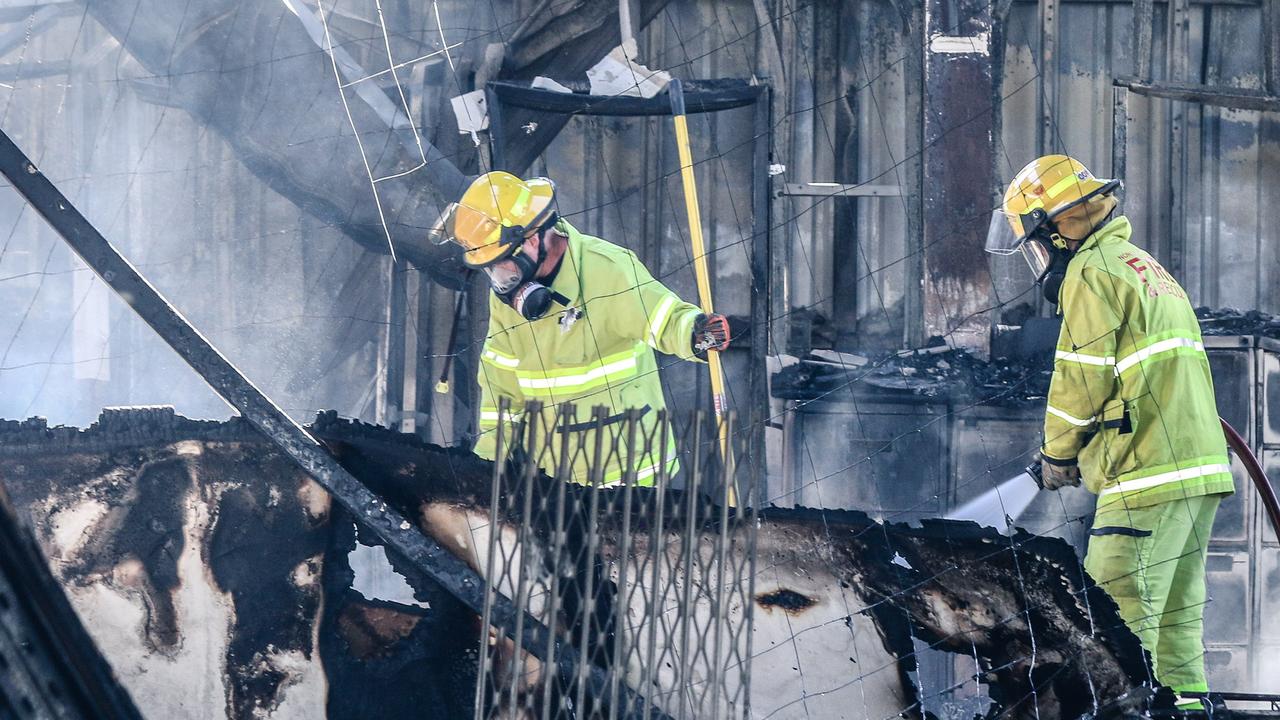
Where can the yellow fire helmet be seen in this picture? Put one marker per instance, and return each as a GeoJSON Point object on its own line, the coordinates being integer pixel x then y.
{"type": "Point", "coordinates": [495, 215]}
{"type": "Point", "coordinates": [1041, 191]}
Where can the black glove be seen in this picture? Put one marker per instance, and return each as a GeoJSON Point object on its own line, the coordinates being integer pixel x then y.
{"type": "Point", "coordinates": [1055, 474]}
{"type": "Point", "coordinates": [710, 332]}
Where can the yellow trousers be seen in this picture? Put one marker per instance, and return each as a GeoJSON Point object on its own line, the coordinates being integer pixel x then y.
{"type": "Point", "coordinates": [1151, 561]}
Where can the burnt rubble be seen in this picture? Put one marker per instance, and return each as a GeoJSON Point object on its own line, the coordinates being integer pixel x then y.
{"type": "Point", "coordinates": [277, 553]}
{"type": "Point", "coordinates": [1230, 321]}
{"type": "Point", "coordinates": [1017, 375]}
{"type": "Point", "coordinates": [938, 372]}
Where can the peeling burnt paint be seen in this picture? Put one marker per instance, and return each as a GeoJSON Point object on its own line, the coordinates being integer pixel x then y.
{"type": "Point", "coordinates": [264, 552]}
{"type": "Point", "coordinates": [144, 521]}
{"type": "Point", "coordinates": [786, 600]}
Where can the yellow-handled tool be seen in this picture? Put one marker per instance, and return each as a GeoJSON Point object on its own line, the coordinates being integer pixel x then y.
{"type": "Point", "coordinates": [676, 92]}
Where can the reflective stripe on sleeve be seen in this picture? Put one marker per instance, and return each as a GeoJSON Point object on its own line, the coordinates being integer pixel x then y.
{"type": "Point", "coordinates": [1084, 359]}
{"type": "Point", "coordinates": [492, 417]}
{"type": "Point", "coordinates": [1156, 348]}
{"type": "Point", "coordinates": [502, 360]}
{"type": "Point", "coordinates": [1078, 422]}
{"type": "Point", "coordinates": [1165, 477]}
{"type": "Point", "coordinates": [658, 322]}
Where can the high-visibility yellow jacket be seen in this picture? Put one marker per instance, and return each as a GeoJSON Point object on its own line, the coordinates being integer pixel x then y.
{"type": "Point", "coordinates": [1131, 393]}
{"type": "Point", "coordinates": [596, 352]}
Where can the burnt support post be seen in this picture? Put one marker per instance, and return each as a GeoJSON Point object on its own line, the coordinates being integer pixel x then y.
{"type": "Point", "coordinates": [961, 104]}
{"type": "Point", "coordinates": [762, 291]}
{"type": "Point", "coordinates": [1178, 70]}
{"type": "Point", "coordinates": [395, 531]}
{"type": "Point", "coordinates": [1119, 136]}
{"type": "Point", "coordinates": [1271, 46]}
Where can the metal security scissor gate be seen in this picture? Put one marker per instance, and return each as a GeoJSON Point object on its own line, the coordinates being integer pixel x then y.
{"type": "Point", "coordinates": [647, 576]}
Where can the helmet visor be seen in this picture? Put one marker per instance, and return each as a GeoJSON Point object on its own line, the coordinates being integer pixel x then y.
{"type": "Point", "coordinates": [504, 276]}
{"type": "Point", "coordinates": [1001, 238]}
{"type": "Point", "coordinates": [441, 232]}
{"type": "Point", "coordinates": [1037, 256]}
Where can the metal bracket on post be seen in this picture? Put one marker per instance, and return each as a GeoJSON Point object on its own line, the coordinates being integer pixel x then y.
{"type": "Point", "coordinates": [369, 510]}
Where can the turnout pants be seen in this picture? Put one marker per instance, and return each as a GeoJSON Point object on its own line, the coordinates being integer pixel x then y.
{"type": "Point", "coordinates": [1151, 561]}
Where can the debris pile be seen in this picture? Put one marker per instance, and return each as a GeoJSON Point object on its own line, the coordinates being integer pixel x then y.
{"type": "Point", "coordinates": [1018, 374]}
{"type": "Point", "coordinates": [1230, 321]}
{"type": "Point", "coordinates": [937, 372]}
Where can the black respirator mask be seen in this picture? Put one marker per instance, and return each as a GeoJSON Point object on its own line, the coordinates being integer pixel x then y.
{"type": "Point", "coordinates": [514, 279]}
{"type": "Point", "coordinates": [1055, 266]}
{"type": "Point", "coordinates": [1045, 250]}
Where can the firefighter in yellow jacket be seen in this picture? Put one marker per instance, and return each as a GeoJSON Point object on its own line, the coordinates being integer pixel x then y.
{"type": "Point", "coordinates": [572, 319]}
{"type": "Point", "coordinates": [1130, 409]}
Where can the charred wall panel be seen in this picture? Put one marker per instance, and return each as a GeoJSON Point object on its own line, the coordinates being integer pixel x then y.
{"type": "Point", "coordinates": [958, 185]}
{"type": "Point", "coordinates": [886, 459]}
{"type": "Point", "coordinates": [208, 569]}
{"type": "Point", "coordinates": [878, 86]}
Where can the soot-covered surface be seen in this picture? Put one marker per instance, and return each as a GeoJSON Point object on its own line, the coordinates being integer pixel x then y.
{"type": "Point", "coordinates": [937, 372]}
{"type": "Point", "coordinates": [214, 575]}
{"type": "Point", "coordinates": [1230, 321]}
{"type": "Point", "coordinates": [1054, 645]}
{"type": "Point", "coordinates": [150, 506]}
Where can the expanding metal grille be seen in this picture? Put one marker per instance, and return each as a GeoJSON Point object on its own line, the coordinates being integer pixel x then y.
{"type": "Point", "coordinates": [645, 569]}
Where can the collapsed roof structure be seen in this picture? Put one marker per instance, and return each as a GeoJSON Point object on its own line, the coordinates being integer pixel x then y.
{"type": "Point", "coordinates": [226, 557]}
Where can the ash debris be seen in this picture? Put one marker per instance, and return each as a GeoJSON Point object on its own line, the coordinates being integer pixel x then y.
{"type": "Point", "coordinates": [1017, 374]}
{"type": "Point", "coordinates": [937, 371]}
{"type": "Point", "coordinates": [1230, 321]}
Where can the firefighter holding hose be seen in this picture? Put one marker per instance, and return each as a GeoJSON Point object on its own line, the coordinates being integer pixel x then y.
{"type": "Point", "coordinates": [1130, 410]}
{"type": "Point", "coordinates": [572, 319]}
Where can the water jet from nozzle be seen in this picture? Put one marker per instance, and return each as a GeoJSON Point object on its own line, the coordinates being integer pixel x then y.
{"type": "Point", "coordinates": [1003, 504]}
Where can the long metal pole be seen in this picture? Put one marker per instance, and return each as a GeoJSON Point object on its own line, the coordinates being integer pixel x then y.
{"type": "Point", "coordinates": [700, 263]}
{"type": "Point", "coordinates": [370, 511]}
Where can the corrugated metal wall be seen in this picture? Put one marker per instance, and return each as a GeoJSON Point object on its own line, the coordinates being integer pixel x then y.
{"type": "Point", "coordinates": [1219, 239]}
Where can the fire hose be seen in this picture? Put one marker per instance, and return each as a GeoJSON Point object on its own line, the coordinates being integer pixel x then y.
{"type": "Point", "coordinates": [1004, 503]}
{"type": "Point", "coordinates": [1254, 468]}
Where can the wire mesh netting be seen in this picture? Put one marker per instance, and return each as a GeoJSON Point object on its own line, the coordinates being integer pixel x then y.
{"type": "Point", "coordinates": [649, 577]}
{"type": "Point", "coordinates": [274, 168]}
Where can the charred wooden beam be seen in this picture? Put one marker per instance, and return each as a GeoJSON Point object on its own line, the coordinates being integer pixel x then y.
{"type": "Point", "coordinates": [1271, 45]}
{"type": "Point", "coordinates": [1143, 24]}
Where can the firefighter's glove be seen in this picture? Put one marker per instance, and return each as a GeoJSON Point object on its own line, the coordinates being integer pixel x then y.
{"type": "Point", "coordinates": [1056, 474]}
{"type": "Point", "coordinates": [710, 332]}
